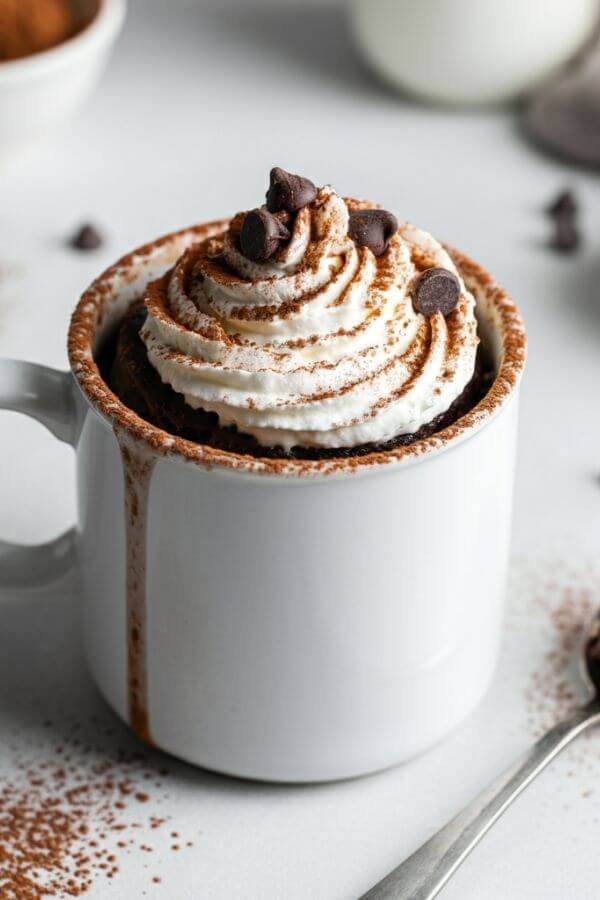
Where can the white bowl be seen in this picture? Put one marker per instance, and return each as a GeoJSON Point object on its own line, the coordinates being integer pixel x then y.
{"type": "Point", "coordinates": [470, 51]}
{"type": "Point", "coordinates": [39, 92]}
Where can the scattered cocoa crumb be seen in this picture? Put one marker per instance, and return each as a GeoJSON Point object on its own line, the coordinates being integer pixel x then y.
{"type": "Point", "coordinates": [65, 814]}
{"type": "Point", "coordinates": [553, 688]}
{"type": "Point", "coordinates": [563, 598]}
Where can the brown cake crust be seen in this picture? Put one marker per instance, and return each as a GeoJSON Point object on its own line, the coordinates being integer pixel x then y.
{"type": "Point", "coordinates": [138, 385]}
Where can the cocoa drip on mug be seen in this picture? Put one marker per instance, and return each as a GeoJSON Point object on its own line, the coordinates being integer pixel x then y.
{"type": "Point", "coordinates": [137, 474]}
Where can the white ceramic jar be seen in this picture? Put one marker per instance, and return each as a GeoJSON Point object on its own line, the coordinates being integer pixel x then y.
{"type": "Point", "coordinates": [288, 622]}
{"type": "Point", "coordinates": [469, 51]}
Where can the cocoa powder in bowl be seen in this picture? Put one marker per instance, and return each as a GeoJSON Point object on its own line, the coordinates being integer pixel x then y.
{"type": "Point", "coordinates": [31, 26]}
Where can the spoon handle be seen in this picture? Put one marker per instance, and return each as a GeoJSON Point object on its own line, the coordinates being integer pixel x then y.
{"type": "Point", "coordinates": [424, 874]}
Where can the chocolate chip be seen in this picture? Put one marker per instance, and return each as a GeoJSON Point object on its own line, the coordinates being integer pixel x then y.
{"type": "Point", "coordinates": [262, 234]}
{"type": "Point", "coordinates": [435, 290]}
{"type": "Point", "coordinates": [289, 192]}
{"type": "Point", "coordinates": [372, 228]}
{"type": "Point", "coordinates": [565, 204]}
{"type": "Point", "coordinates": [86, 238]}
{"type": "Point", "coordinates": [566, 238]}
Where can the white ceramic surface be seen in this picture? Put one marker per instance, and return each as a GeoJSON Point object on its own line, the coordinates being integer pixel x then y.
{"type": "Point", "coordinates": [466, 51]}
{"type": "Point", "coordinates": [39, 93]}
{"type": "Point", "coordinates": [299, 628]}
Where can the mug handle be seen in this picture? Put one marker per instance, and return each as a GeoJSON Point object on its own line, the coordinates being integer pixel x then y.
{"type": "Point", "coordinates": [46, 395]}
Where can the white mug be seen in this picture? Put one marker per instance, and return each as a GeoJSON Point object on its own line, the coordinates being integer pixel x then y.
{"type": "Point", "coordinates": [278, 620]}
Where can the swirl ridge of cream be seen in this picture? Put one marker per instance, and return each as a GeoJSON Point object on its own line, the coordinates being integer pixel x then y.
{"type": "Point", "coordinates": [319, 345]}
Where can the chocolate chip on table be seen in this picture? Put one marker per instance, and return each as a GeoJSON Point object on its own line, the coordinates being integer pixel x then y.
{"type": "Point", "coordinates": [289, 192]}
{"type": "Point", "coordinates": [566, 237]}
{"type": "Point", "coordinates": [372, 228]}
{"type": "Point", "coordinates": [262, 234]}
{"type": "Point", "coordinates": [86, 238]}
{"type": "Point", "coordinates": [435, 290]}
{"type": "Point", "coordinates": [564, 204]}
{"type": "Point", "coordinates": [564, 213]}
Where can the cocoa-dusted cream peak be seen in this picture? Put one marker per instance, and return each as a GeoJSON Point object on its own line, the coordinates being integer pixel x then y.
{"type": "Point", "coordinates": [319, 337]}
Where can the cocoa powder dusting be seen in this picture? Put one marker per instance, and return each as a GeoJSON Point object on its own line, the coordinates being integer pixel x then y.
{"type": "Point", "coordinates": [69, 815]}
{"type": "Point", "coordinates": [562, 598]}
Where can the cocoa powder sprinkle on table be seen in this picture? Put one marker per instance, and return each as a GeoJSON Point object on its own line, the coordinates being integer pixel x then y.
{"type": "Point", "coordinates": [65, 815]}
{"type": "Point", "coordinates": [555, 600]}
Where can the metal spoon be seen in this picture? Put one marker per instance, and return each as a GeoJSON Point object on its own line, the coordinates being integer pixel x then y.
{"type": "Point", "coordinates": [423, 875]}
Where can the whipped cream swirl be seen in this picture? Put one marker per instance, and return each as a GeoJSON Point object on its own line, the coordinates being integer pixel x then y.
{"type": "Point", "coordinates": [319, 346]}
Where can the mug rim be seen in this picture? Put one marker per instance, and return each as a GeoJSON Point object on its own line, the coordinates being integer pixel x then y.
{"type": "Point", "coordinates": [94, 305]}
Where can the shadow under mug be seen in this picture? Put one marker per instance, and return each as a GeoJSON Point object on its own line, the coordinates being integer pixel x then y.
{"type": "Point", "coordinates": [278, 620]}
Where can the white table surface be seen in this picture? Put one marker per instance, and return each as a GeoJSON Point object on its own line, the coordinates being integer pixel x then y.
{"type": "Point", "coordinates": [195, 109]}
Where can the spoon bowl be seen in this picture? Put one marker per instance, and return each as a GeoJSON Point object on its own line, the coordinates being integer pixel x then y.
{"type": "Point", "coordinates": [590, 657]}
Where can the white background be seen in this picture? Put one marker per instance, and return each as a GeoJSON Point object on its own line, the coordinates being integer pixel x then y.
{"type": "Point", "coordinates": [195, 109]}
